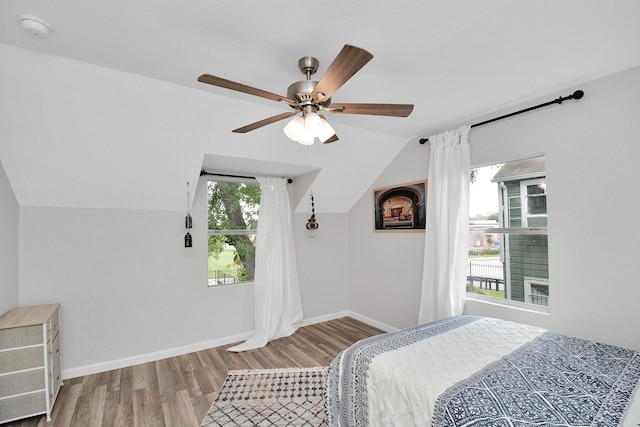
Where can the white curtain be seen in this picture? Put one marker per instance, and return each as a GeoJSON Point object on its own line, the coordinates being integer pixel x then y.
{"type": "Point", "coordinates": [278, 308]}
{"type": "Point", "coordinates": [444, 276]}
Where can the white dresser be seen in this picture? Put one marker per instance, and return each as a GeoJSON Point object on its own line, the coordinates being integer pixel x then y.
{"type": "Point", "coordinates": [30, 370]}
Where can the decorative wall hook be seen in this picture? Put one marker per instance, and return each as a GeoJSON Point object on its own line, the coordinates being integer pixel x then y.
{"type": "Point", "coordinates": [188, 223]}
{"type": "Point", "coordinates": [312, 225]}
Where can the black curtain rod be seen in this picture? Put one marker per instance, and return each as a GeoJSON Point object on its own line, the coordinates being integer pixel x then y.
{"type": "Point", "coordinates": [575, 95]}
{"type": "Point", "coordinates": [204, 172]}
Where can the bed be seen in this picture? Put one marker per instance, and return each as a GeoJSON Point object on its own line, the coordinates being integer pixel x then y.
{"type": "Point", "coordinates": [479, 371]}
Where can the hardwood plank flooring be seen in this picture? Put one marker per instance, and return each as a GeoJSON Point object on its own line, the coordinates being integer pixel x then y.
{"type": "Point", "coordinates": [178, 391]}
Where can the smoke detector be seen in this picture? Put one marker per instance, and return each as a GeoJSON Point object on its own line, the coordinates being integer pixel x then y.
{"type": "Point", "coordinates": [35, 25]}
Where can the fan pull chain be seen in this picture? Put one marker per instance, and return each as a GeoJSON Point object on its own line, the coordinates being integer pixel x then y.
{"type": "Point", "coordinates": [307, 153]}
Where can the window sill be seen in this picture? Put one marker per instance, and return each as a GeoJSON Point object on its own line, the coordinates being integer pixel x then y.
{"type": "Point", "coordinates": [512, 305]}
{"type": "Point", "coordinates": [226, 285]}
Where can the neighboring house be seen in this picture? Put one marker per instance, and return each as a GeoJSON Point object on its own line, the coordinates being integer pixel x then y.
{"type": "Point", "coordinates": [523, 204]}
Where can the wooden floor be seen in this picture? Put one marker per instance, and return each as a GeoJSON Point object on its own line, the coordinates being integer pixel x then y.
{"type": "Point", "coordinates": [178, 391]}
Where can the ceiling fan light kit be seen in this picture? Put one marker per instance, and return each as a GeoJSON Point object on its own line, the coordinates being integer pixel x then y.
{"type": "Point", "coordinates": [325, 132]}
{"type": "Point", "coordinates": [304, 129]}
{"type": "Point", "coordinates": [295, 128]}
{"type": "Point", "coordinates": [308, 97]}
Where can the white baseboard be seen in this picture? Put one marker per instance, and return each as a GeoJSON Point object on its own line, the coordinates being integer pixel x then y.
{"type": "Point", "coordinates": [372, 322]}
{"type": "Point", "coordinates": [325, 318]}
{"type": "Point", "coordinates": [177, 351]}
{"type": "Point", "coordinates": [151, 357]}
{"type": "Point", "coordinates": [348, 313]}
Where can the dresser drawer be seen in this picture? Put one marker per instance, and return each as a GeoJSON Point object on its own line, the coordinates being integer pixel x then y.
{"type": "Point", "coordinates": [20, 406]}
{"type": "Point", "coordinates": [21, 359]}
{"type": "Point", "coordinates": [55, 362]}
{"type": "Point", "coordinates": [20, 337]}
{"type": "Point", "coordinates": [55, 384]}
{"type": "Point", "coordinates": [53, 325]}
{"type": "Point", "coordinates": [21, 382]}
{"type": "Point", "coordinates": [53, 347]}
{"type": "Point", "coordinates": [55, 376]}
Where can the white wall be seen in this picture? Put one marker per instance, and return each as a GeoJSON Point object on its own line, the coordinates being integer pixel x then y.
{"type": "Point", "coordinates": [127, 285]}
{"type": "Point", "coordinates": [323, 265]}
{"type": "Point", "coordinates": [131, 292]}
{"type": "Point", "coordinates": [592, 152]}
{"type": "Point", "coordinates": [9, 218]}
{"type": "Point", "coordinates": [386, 266]}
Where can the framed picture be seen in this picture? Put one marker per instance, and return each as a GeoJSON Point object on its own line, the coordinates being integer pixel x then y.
{"type": "Point", "coordinates": [400, 207]}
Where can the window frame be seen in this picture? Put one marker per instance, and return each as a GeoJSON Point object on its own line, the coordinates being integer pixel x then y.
{"type": "Point", "coordinates": [504, 205]}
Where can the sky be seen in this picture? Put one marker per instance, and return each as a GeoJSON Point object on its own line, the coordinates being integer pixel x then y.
{"type": "Point", "coordinates": [484, 193]}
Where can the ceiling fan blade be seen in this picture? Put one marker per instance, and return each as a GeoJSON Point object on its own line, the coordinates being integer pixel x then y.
{"type": "Point", "coordinates": [228, 84]}
{"type": "Point", "coordinates": [348, 62]}
{"type": "Point", "coordinates": [396, 110]}
{"type": "Point", "coordinates": [264, 122]}
{"type": "Point", "coordinates": [334, 138]}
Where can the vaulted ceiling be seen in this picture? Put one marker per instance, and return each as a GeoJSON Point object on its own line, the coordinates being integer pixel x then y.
{"type": "Point", "coordinates": [107, 112]}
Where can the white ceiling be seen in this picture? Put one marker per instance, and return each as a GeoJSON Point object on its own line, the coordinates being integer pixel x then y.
{"type": "Point", "coordinates": [110, 100]}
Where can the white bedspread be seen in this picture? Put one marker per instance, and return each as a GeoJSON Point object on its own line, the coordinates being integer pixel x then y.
{"type": "Point", "coordinates": [403, 385]}
{"type": "Point", "coordinates": [448, 373]}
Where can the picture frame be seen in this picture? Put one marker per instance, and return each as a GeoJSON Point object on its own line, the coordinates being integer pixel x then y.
{"type": "Point", "coordinates": [400, 207]}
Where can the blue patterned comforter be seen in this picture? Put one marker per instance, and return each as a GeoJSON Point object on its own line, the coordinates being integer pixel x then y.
{"type": "Point", "coordinates": [475, 371]}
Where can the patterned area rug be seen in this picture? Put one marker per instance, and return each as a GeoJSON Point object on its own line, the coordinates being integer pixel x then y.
{"type": "Point", "coordinates": [270, 397]}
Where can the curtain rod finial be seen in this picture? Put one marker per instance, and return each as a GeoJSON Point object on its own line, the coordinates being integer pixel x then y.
{"type": "Point", "coordinates": [423, 140]}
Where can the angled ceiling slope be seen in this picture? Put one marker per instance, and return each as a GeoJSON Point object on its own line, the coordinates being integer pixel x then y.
{"type": "Point", "coordinates": [110, 98]}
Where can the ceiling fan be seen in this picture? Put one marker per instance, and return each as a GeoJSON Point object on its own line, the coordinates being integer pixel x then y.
{"type": "Point", "coordinates": [310, 97]}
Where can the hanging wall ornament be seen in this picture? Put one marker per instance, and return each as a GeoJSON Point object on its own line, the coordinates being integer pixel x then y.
{"type": "Point", "coordinates": [312, 225]}
{"type": "Point", "coordinates": [188, 223]}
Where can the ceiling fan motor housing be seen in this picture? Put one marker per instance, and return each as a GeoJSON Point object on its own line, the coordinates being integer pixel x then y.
{"type": "Point", "coordinates": [301, 91]}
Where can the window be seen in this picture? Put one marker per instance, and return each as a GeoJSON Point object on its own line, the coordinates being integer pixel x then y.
{"type": "Point", "coordinates": [233, 208]}
{"type": "Point", "coordinates": [535, 202]}
{"type": "Point", "coordinates": [536, 291]}
{"type": "Point", "coordinates": [508, 247]}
